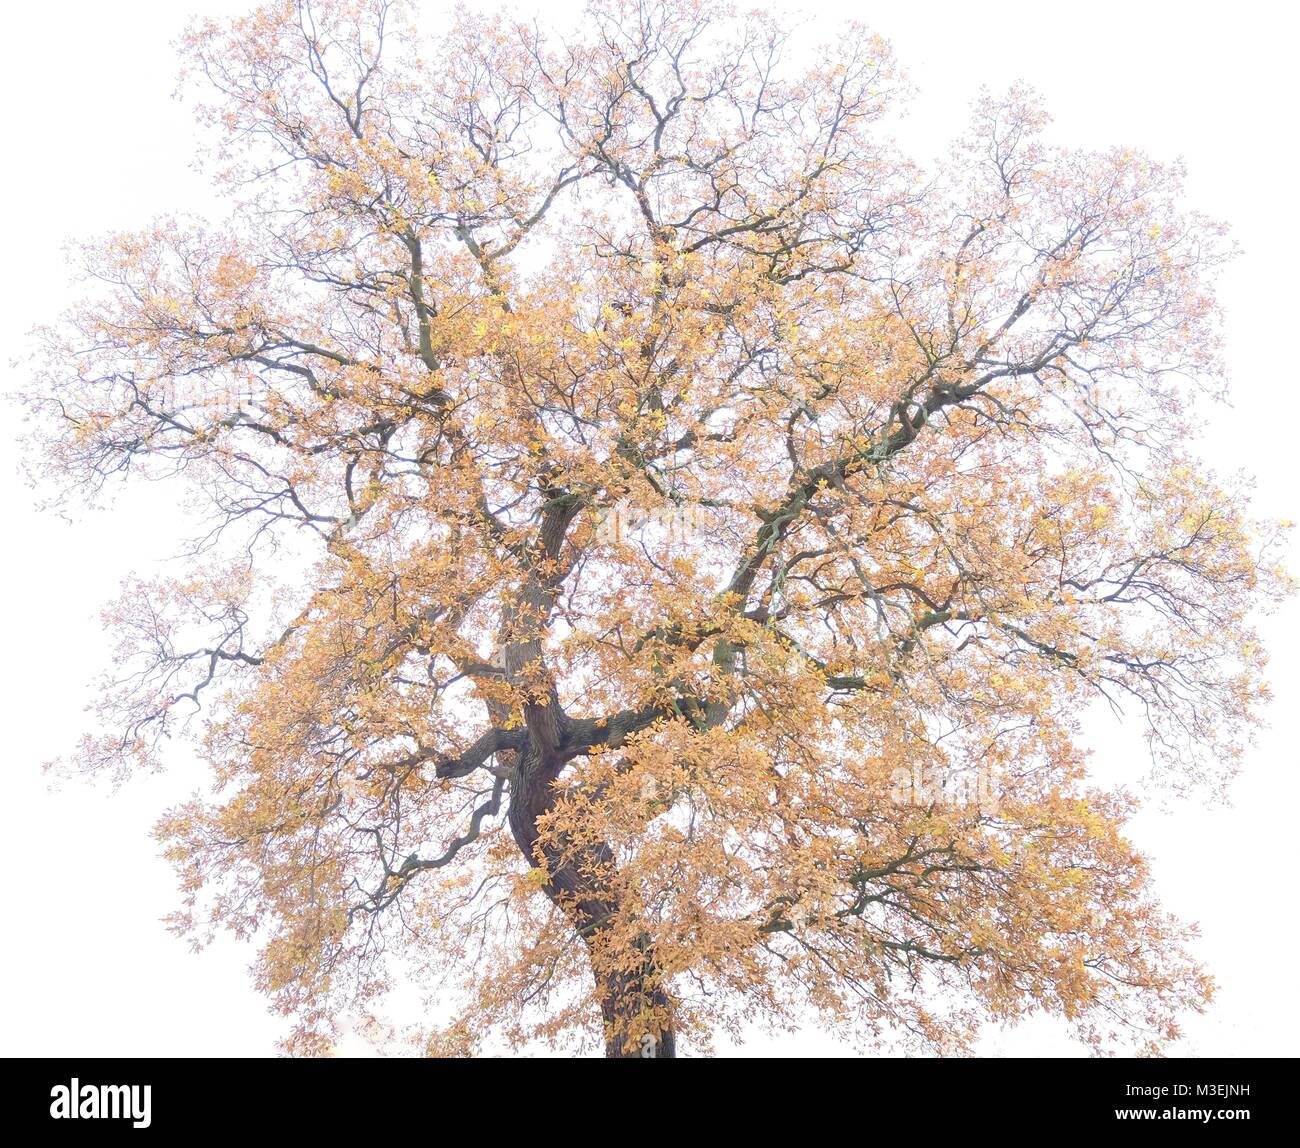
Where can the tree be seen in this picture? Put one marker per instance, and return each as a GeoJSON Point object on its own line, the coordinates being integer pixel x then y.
{"type": "Point", "coordinates": [662, 542]}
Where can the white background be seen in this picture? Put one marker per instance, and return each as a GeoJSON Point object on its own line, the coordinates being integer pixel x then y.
{"type": "Point", "coordinates": [92, 141]}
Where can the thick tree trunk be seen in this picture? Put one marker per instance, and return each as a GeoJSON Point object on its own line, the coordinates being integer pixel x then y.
{"type": "Point", "coordinates": [622, 1000]}
{"type": "Point", "coordinates": [580, 887]}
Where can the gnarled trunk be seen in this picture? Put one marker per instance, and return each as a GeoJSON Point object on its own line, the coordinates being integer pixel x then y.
{"type": "Point", "coordinates": [578, 883]}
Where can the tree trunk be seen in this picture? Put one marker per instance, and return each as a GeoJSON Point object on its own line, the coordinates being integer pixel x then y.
{"type": "Point", "coordinates": [622, 999]}
{"type": "Point", "coordinates": [580, 887]}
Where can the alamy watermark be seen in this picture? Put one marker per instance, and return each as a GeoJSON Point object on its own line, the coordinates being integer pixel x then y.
{"type": "Point", "coordinates": [668, 522]}
{"type": "Point", "coordinates": [977, 788]}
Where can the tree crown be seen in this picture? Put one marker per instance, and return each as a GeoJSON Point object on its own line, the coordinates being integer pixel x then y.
{"type": "Point", "coordinates": [709, 528]}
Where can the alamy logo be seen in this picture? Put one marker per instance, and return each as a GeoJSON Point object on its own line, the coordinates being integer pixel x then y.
{"type": "Point", "coordinates": [953, 788]}
{"type": "Point", "coordinates": [672, 521]}
{"type": "Point", "coordinates": [77, 1101]}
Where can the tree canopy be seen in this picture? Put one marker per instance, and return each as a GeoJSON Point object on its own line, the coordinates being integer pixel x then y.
{"type": "Point", "coordinates": [661, 540]}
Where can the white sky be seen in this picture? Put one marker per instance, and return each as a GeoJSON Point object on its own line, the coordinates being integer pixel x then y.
{"type": "Point", "coordinates": [94, 142]}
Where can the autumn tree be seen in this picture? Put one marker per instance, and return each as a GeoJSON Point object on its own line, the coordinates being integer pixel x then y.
{"type": "Point", "coordinates": [661, 541]}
